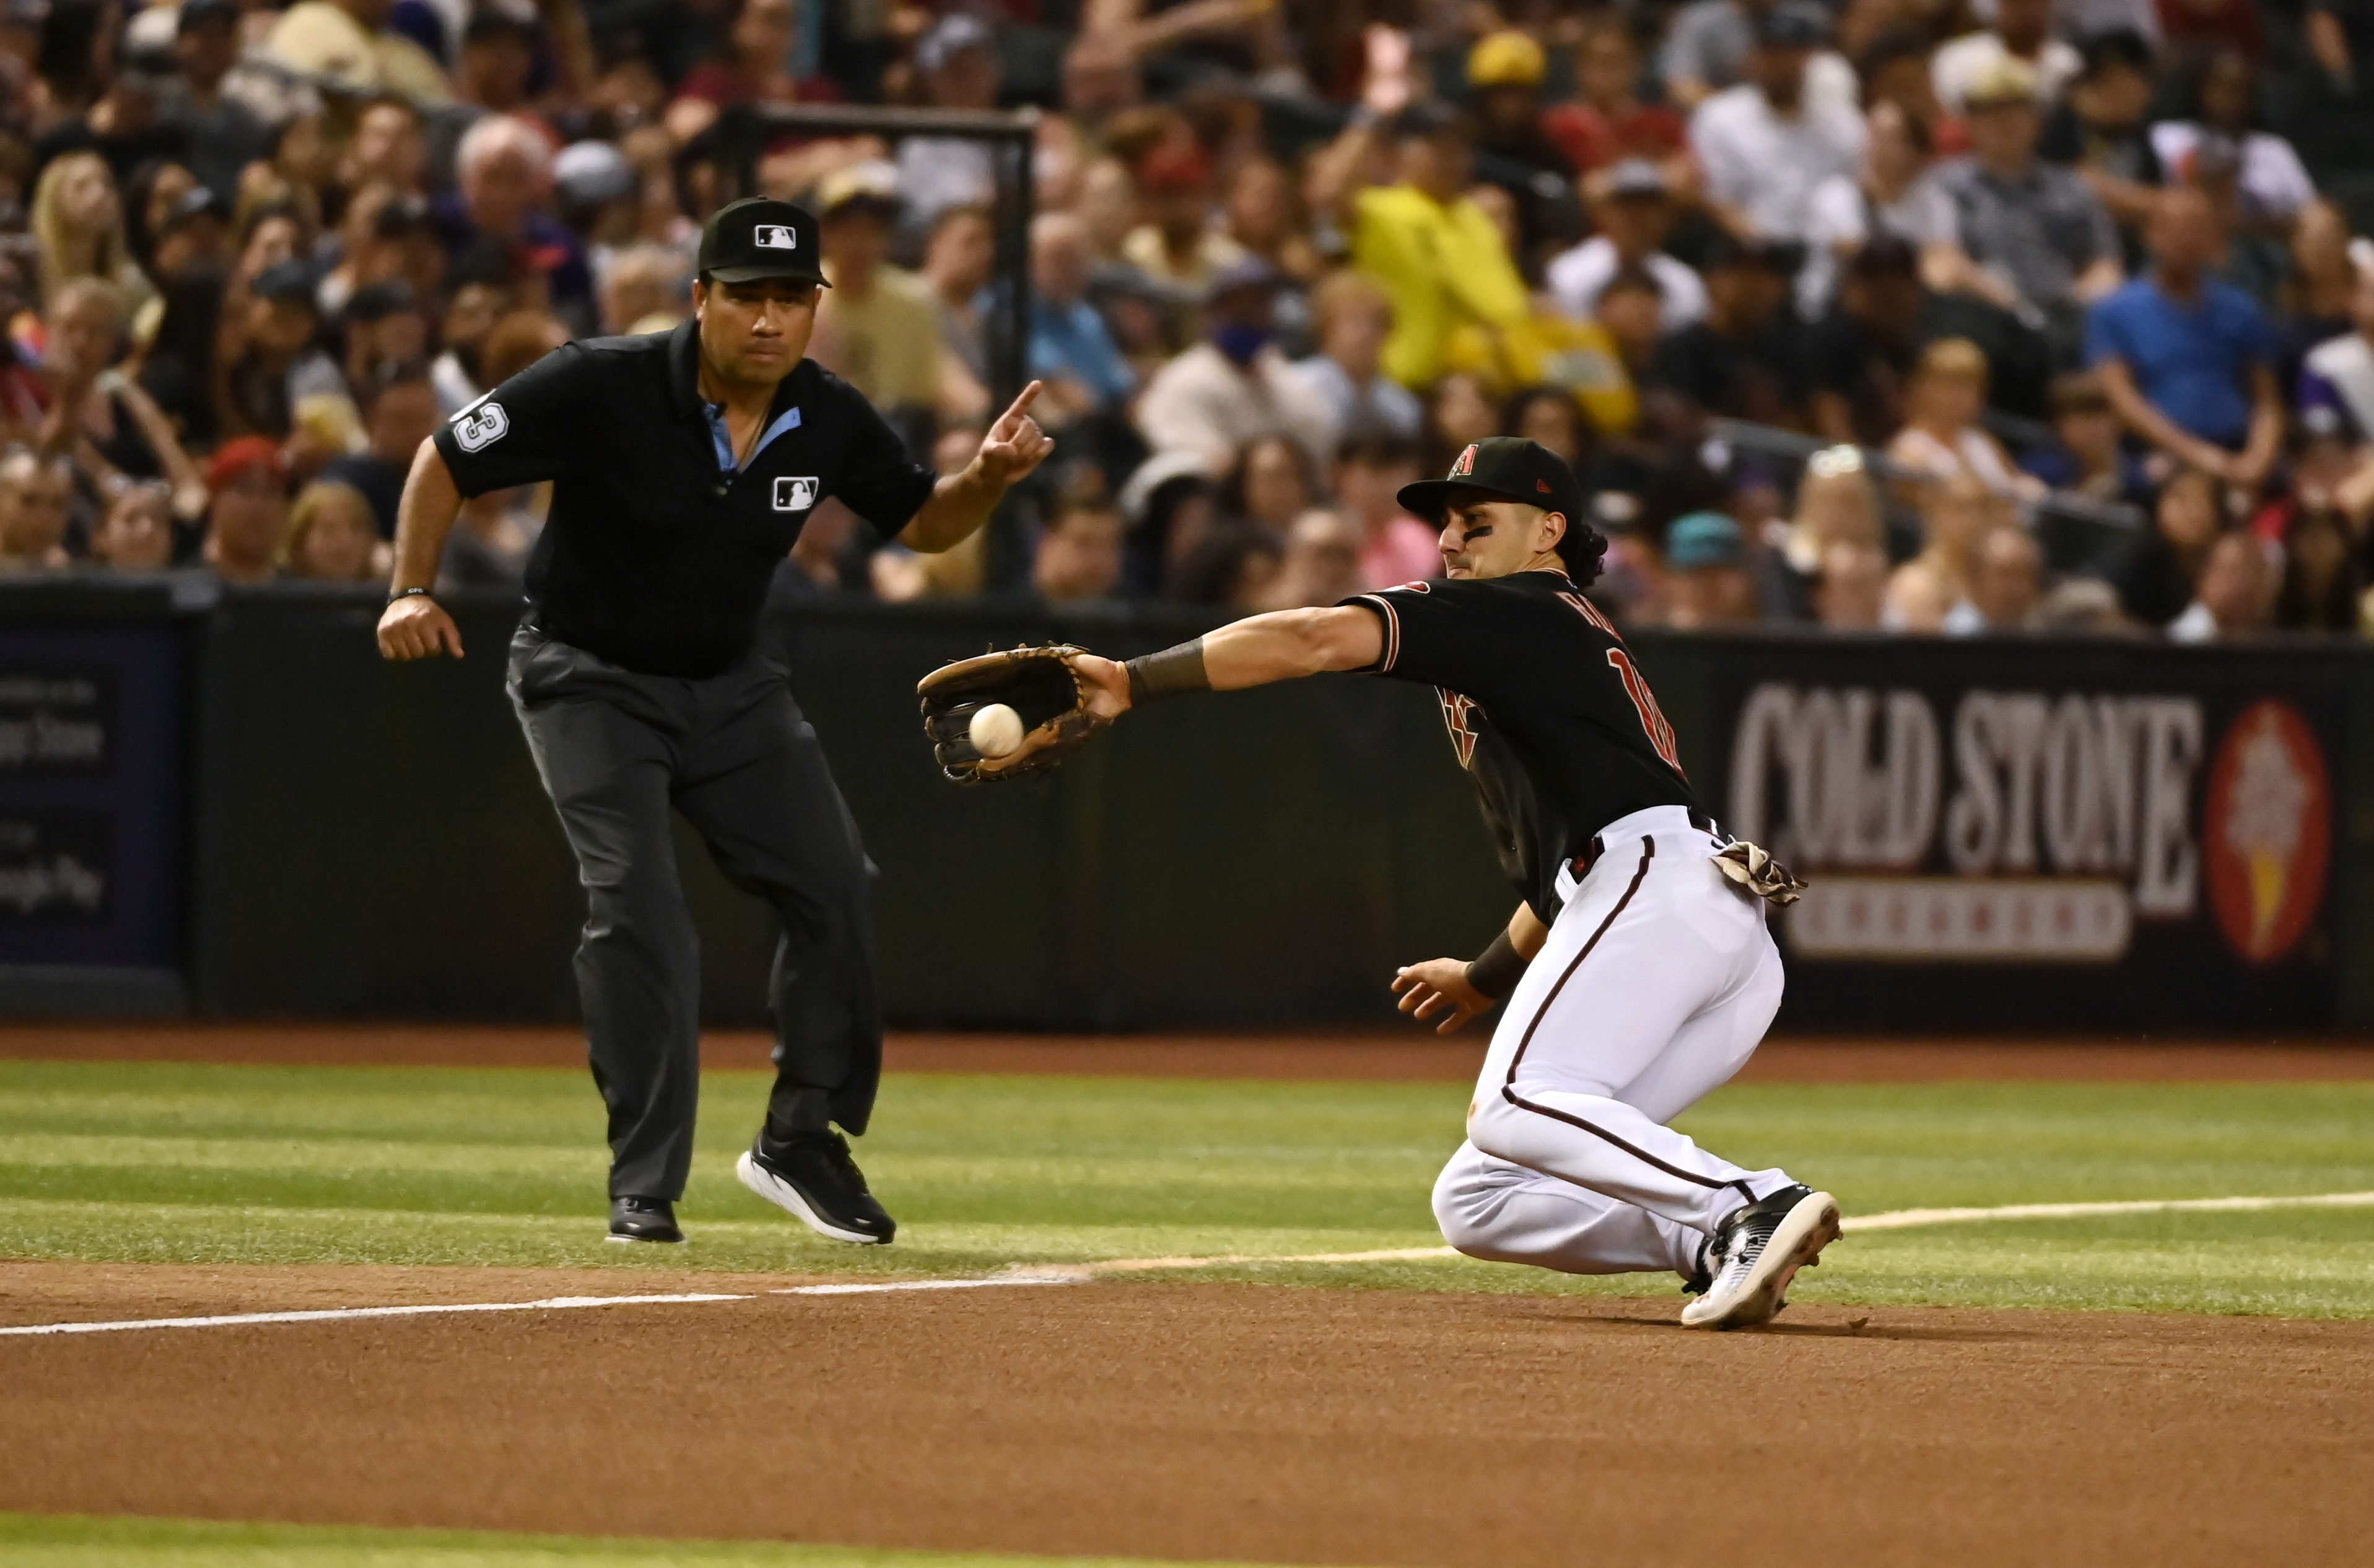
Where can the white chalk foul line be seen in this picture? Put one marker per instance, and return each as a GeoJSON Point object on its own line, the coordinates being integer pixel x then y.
{"type": "Point", "coordinates": [329, 1315]}
{"type": "Point", "coordinates": [1075, 1273]}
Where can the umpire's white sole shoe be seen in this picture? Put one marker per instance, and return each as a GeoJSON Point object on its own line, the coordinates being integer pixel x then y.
{"type": "Point", "coordinates": [1759, 1250]}
{"type": "Point", "coordinates": [787, 1198]}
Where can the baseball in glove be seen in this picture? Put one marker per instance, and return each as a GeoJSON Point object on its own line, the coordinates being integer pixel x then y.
{"type": "Point", "coordinates": [1041, 684]}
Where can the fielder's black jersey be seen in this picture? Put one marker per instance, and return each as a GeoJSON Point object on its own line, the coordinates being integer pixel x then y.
{"type": "Point", "coordinates": [655, 555]}
{"type": "Point", "coordinates": [1546, 709]}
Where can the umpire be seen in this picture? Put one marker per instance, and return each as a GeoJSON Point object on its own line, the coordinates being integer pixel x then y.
{"type": "Point", "coordinates": [683, 466]}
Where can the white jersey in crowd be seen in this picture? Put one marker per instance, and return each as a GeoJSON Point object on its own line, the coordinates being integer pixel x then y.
{"type": "Point", "coordinates": [1577, 276]}
{"type": "Point", "coordinates": [1767, 165]}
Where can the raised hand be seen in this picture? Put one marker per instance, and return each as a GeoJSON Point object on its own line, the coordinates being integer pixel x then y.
{"type": "Point", "coordinates": [1014, 445]}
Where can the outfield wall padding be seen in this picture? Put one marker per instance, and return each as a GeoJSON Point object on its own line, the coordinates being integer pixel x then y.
{"type": "Point", "coordinates": [2015, 833]}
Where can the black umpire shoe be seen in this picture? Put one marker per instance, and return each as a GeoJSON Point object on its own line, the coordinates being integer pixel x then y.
{"type": "Point", "coordinates": [643, 1218]}
{"type": "Point", "coordinates": [810, 1176]}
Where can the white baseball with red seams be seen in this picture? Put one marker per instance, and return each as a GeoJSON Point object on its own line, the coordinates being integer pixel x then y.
{"type": "Point", "coordinates": [1656, 982]}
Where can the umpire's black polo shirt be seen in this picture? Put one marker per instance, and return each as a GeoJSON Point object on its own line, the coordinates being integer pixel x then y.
{"type": "Point", "coordinates": [655, 555]}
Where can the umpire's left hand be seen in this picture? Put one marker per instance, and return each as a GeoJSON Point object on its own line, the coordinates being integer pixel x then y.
{"type": "Point", "coordinates": [417, 628]}
{"type": "Point", "coordinates": [1014, 445]}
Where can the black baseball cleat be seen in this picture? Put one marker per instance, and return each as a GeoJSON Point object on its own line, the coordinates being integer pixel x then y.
{"type": "Point", "coordinates": [1756, 1251]}
{"type": "Point", "coordinates": [810, 1176]}
{"type": "Point", "coordinates": [643, 1218]}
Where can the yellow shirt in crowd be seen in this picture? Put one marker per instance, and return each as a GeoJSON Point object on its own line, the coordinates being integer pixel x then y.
{"type": "Point", "coordinates": [1443, 267]}
{"type": "Point", "coordinates": [887, 345]}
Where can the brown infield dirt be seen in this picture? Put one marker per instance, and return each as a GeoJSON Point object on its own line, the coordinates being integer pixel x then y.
{"type": "Point", "coordinates": [1196, 1420]}
{"type": "Point", "coordinates": [1202, 1421]}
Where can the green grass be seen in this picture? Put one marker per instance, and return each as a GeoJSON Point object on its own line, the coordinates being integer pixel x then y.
{"type": "Point", "coordinates": [215, 1165]}
{"type": "Point", "coordinates": [29, 1540]}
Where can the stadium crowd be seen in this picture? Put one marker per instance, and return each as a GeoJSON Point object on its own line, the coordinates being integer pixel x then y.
{"type": "Point", "coordinates": [1941, 316]}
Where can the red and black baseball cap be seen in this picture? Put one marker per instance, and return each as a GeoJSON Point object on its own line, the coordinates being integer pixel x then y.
{"type": "Point", "coordinates": [1505, 468]}
{"type": "Point", "coordinates": [757, 236]}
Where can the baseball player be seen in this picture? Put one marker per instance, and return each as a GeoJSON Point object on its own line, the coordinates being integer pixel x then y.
{"type": "Point", "coordinates": [684, 464]}
{"type": "Point", "coordinates": [1638, 973]}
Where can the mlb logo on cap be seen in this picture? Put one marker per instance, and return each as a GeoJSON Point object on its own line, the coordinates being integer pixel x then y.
{"type": "Point", "coordinates": [757, 237]}
{"type": "Point", "coordinates": [776, 237]}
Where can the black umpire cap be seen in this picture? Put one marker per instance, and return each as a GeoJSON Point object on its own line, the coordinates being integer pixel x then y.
{"type": "Point", "coordinates": [1505, 468]}
{"type": "Point", "coordinates": [757, 236]}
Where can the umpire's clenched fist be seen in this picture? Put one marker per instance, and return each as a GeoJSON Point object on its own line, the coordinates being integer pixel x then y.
{"type": "Point", "coordinates": [417, 628]}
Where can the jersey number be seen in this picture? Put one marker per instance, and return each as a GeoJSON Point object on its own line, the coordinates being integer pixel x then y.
{"type": "Point", "coordinates": [1661, 734]}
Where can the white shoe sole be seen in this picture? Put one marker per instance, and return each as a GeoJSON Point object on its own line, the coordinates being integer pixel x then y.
{"type": "Point", "coordinates": [786, 1197]}
{"type": "Point", "coordinates": [1812, 1225]}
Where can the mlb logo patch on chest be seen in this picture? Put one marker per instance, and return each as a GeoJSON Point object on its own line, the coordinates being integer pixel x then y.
{"type": "Point", "coordinates": [795, 495]}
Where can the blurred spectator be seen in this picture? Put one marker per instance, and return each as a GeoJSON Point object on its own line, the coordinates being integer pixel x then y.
{"type": "Point", "coordinates": [1608, 124]}
{"type": "Point", "coordinates": [135, 534]}
{"type": "Point", "coordinates": [957, 62]}
{"type": "Point", "coordinates": [2235, 594]}
{"type": "Point", "coordinates": [78, 223]}
{"type": "Point", "coordinates": [249, 514]}
{"type": "Point", "coordinates": [600, 198]}
{"type": "Point", "coordinates": [279, 366]}
{"type": "Point", "coordinates": [518, 341]}
{"type": "Point", "coordinates": [1746, 360]}
{"type": "Point", "coordinates": [103, 423]}
{"type": "Point", "coordinates": [1235, 386]}
{"type": "Point", "coordinates": [1711, 587]}
{"type": "Point", "coordinates": [222, 135]}
{"type": "Point", "coordinates": [1631, 311]}
{"type": "Point", "coordinates": [1178, 243]}
{"type": "Point", "coordinates": [1767, 144]}
{"type": "Point", "coordinates": [1942, 436]}
{"type": "Point", "coordinates": [1897, 197]}
{"type": "Point", "coordinates": [2189, 362]}
{"type": "Point", "coordinates": [1505, 71]}
{"type": "Point", "coordinates": [1954, 514]}
{"type": "Point", "coordinates": [2196, 27]}
{"type": "Point", "coordinates": [1071, 350]}
{"type": "Point", "coordinates": [1173, 507]}
{"type": "Point", "coordinates": [820, 560]}
{"type": "Point", "coordinates": [1635, 214]}
{"type": "Point", "coordinates": [645, 288]}
{"type": "Point", "coordinates": [1394, 548]}
{"type": "Point", "coordinates": [2086, 457]}
{"type": "Point", "coordinates": [1079, 553]}
{"type": "Point", "coordinates": [348, 43]}
{"type": "Point", "coordinates": [2336, 380]}
{"type": "Point", "coordinates": [2039, 239]}
{"type": "Point", "coordinates": [1711, 45]}
{"type": "Point", "coordinates": [388, 148]}
{"type": "Point", "coordinates": [1837, 504]}
{"type": "Point", "coordinates": [1264, 215]}
{"type": "Point", "coordinates": [1322, 564]}
{"type": "Point", "coordinates": [1274, 482]}
{"type": "Point", "coordinates": [1233, 568]}
{"type": "Point", "coordinates": [875, 325]}
{"type": "Point", "coordinates": [1354, 316]}
{"type": "Point", "coordinates": [384, 327]}
{"type": "Point", "coordinates": [2155, 578]}
{"type": "Point", "coordinates": [332, 537]}
{"type": "Point", "coordinates": [1850, 588]}
{"type": "Point", "coordinates": [402, 413]}
{"type": "Point", "coordinates": [479, 300]}
{"type": "Point", "coordinates": [2323, 586]}
{"type": "Point", "coordinates": [2273, 185]}
{"type": "Point", "coordinates": [502, 170]}
{"type": "Point", "coordinates": [1435, 252]}
{"type": "Point", "coordinates": [2324, 285]}
{"type": "Point", "coordinates": [750, 65]}
{"type": "Point", "coordinates": [1547, 415]}
{"type": "Point", "coordinates": [493, 533]}
{"type": "Point", "coordinates": [2020, 30]}
{"type": "Point", "coordinates": [1459, 413]}
{"type": "Point", "coordinates": [2006, 581]}
{"type": "Point", "coordinates": [959, 260]}
{"type": "Point", "coordinates": [1860, 358]}
{"type": "Point", "coordinates": [36, 502]}
{"type": "Point", "coordinates": [2101, 130]}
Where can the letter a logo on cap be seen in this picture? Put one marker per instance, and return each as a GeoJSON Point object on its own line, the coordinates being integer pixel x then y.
{"type": "Point", "coordinates": [776, 237]}
{"type": "Point", "coordinates": [1465, 465]}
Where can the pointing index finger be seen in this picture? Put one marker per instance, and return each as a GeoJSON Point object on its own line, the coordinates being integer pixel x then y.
{"type": "Point", "coordinates": [1022, 404]}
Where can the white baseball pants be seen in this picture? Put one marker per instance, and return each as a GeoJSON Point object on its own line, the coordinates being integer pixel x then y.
{"type": "Point", "coordinates": [1656, 982]}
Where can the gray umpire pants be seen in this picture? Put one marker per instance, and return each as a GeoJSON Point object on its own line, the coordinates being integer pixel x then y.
{"type": "Point", "coordinates": [616, 750]}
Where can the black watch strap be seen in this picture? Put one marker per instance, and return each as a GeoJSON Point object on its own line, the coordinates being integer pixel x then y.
{"type": "Point", "coordinates": [407, 593]}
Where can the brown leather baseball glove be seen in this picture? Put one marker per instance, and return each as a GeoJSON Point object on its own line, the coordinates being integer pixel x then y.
{"type": "Point", "coordinates": [1040, 683]}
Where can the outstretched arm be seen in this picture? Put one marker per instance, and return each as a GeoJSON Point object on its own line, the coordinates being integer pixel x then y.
{"type": "Point", "coordinates": [1281, 646]}
{"type": "Point", "coordinates": [962, 502]}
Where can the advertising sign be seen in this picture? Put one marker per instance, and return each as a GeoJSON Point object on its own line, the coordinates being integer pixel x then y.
{"type": "Point", "coordinates": [2044, 835]}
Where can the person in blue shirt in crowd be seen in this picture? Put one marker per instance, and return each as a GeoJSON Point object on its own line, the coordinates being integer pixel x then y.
{"type": "Point", "coordinates": [2189, 362]}
{"type": "Point", "coordinates": [1070, 350]}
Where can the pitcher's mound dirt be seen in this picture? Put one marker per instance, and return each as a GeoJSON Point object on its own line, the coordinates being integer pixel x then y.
{"type": "Point", "coordinates": [1223, 1421]}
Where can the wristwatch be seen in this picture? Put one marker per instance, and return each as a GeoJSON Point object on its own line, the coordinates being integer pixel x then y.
{"type": "Point", "coordinates": [407, 593]}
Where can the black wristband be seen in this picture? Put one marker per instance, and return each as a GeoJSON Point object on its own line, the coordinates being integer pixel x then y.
{"type": "Point", "coordinates": [407, 593]}
{"type": "Point", "coordinates": [1172, 673]}
{"type": "Point", "coordinates": [1497, 969]}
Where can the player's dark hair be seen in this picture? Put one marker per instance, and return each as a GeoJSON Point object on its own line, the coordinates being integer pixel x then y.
{"type": "Point", "coordinates": [1581, 549]}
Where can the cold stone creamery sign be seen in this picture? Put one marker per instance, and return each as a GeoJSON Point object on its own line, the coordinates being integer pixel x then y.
{"type": "Point", "coordinates": [2028, 826]}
